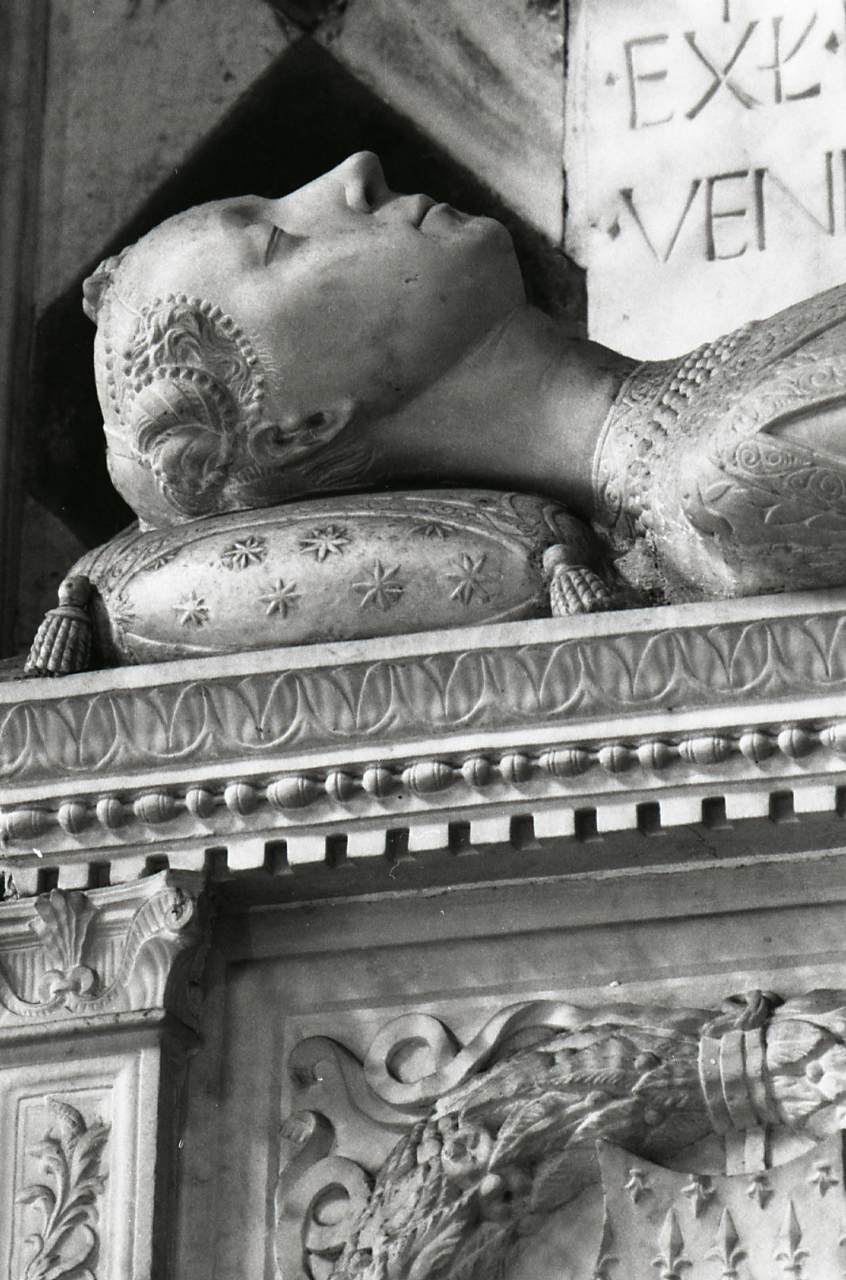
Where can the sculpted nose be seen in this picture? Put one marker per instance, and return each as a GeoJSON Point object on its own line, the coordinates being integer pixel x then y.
{"type": "Point", "coordinates": [365, 188]}
{"type": "Point", "coordinates": [358, 185]}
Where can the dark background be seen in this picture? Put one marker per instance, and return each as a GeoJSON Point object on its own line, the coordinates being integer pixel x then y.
{"type": "Point", "coordinates": [304, 117]}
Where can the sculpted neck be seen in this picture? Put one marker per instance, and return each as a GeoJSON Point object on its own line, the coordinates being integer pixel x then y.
{"type": "Point", "coordinates": [523, 410]}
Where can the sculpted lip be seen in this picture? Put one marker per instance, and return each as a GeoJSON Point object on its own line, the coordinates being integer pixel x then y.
{"type": "Point", "coordinates": [420, 206]}
{"type": "Point", "coordinates": [455, 215]}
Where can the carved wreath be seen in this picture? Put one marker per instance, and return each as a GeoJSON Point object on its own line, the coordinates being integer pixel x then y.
{"type": "Point", "coordinates": [505, 1131]}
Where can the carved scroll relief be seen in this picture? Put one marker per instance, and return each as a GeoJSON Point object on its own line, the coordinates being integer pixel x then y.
{"type": "Point", "coordinates": [98, 953]}
{"type": "Point", "coordinates": [501, 1135]}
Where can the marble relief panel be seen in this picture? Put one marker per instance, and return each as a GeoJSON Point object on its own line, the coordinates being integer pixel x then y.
{"type": "Point", "coordinates": [705, 163]}
{"type": "Point", "coordinates": [351, 1030]}
{"type": "Point", "coordinates": [61, 1178]}
{"type": "Point", "coordinates": [77, 1154]}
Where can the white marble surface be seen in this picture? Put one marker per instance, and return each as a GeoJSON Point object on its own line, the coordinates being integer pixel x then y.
{"type": "Point", "coordinates": [536, 720]}
{"type": "Point", "coordinates": [345, 970]}
{"type": "Point", "coordinates": [132, 89]}
{"type": "Point", "coordinates": [705, 169]}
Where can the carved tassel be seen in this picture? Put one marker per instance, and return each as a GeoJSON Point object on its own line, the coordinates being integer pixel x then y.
{"type": "Point", "coordinates": [573, 588]}
{"type": "Point", "coordinates": [62, 643]}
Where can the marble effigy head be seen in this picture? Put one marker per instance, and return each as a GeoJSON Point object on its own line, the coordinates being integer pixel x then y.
{"type": "Point", "coordinates": [244, 346]}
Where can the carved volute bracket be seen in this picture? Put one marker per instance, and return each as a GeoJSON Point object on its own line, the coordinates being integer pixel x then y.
{"type": "Point", "coordinates": [89, 1123]}
{"type": "Point", "coordinates": [123, 950]}
{"type": "Point", "coordinates": [474, 1155]}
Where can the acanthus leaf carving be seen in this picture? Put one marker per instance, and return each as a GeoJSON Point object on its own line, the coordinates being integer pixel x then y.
{"type": "Point", "coordinates": [67, 1200]}
{"type": "Point", "coordinates": [309, 1178]}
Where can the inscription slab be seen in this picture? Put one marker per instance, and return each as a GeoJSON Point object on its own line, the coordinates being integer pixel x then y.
{"type": "Point", "coordinates": [706, 163]}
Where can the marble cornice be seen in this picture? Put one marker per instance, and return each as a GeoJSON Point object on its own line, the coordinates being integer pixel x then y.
{"type": "Point", "coordinates": [606, 709]}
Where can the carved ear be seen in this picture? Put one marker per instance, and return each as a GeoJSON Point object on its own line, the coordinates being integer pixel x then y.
{"type": "Point", "coordinates": [273, 443]}
{"type": "Point", "coordinates": [181, 425]}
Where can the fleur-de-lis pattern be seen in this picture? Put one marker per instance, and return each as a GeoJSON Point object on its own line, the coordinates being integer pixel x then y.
{"type": "Point", "coordinates": [759, 1189]}
{"type": "Point", "coordinates": [789, 1251]}
{"type": "Point", "coordinates": [699, 1191]}
{"type": "Point", "coordinates": [823, 1179]}
{"type": "Point", "coordinates": [671, 1261]}
{"type": "Point", "coordinates": [638, 1184]}
{"type": "Point", "coordinates": [727, 1251]}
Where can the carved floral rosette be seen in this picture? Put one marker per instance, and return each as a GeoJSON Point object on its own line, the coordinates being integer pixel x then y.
{"type": "Point", "coordinates": [390, 1175]}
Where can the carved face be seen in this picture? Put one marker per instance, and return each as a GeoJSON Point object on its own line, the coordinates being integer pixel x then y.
{"type": "Point", "coordinates": [353, 298]}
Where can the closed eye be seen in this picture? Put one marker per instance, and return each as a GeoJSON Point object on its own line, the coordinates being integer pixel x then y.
{"type": "Point", "coordinates": [276, 234]}
{"type": "Point", "coordinates": [276, 238]}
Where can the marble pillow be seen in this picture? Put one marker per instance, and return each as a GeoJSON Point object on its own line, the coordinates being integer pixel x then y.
{"type": "Point", "coordinates": [326, 569]}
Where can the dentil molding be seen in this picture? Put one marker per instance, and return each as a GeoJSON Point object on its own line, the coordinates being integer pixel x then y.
{"type": "Point", "coordinates": [741, 698]}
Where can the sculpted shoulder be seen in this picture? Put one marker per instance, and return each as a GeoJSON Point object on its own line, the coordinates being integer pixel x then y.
{"type": "Point", "coordinates": [344, 338]}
